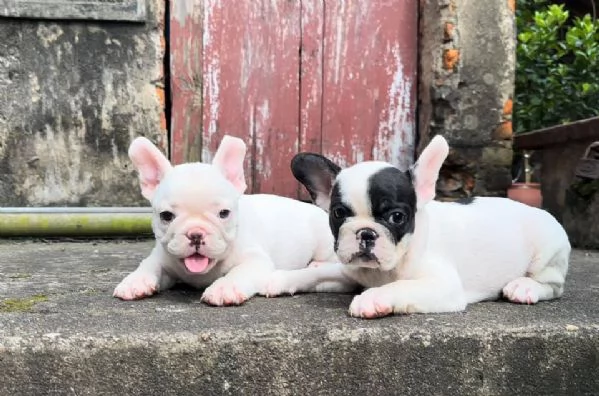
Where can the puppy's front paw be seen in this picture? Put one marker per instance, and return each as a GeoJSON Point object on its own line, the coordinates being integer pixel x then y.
{"type": "Point", "coordinates": [137, 285]}
{"type": "Point", "coordinates": [225, 292]}
{"type": "Point", "coordinates": [372, 303]}
{"type": "Point", "coordinates": [522, 291]}
{"type": "Point", "coordinates": [277, 284]}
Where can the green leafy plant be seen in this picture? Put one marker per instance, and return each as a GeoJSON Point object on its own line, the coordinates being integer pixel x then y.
{"type": "Point", "coordinates": [557, 71]}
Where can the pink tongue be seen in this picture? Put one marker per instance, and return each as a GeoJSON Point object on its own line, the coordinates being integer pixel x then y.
{"type": "Point", "coordinates": [196, 263]}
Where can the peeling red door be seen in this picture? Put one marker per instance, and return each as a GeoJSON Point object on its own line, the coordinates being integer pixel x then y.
{"type": "Point", "coordinates": [337, 77]}
{"type": "Point", "coordinates": [369, 87]}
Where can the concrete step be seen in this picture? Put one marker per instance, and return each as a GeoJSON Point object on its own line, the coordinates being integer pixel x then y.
{"type": "Point", "coordinates": [61, 333]}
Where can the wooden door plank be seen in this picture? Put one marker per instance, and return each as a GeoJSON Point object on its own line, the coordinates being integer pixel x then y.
{"type": "Point", "coordinates": [185, 35]}
{"type": "Point", "coordinates": [369, 82]}
{"type": "Point", "coordinates": [251, 85]}
{"type": "Point", "coordinates": [312, 24]}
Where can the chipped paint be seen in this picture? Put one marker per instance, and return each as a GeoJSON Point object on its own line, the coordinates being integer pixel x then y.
{"type": "Point", "coordinates": [187, 81]}
{"type": "Point", "coordinates": [396, 131]}
{"type": "Point", "coordinates": [181, 11]}
{"type": "Point", "coordinates": [263, 167]}
{"type": "Point", "coordinates": [340, 41]}
{"type": "Point", "coordinates": [249, 80]}
{"type": "Point", "coordinates": [329, 97]}
{"type": "Point", "coordinates": [369, 106]}
{"type": "Point", "coordinates": [212, 71]}
{"type": "Point", "coordinates": [311, 82]}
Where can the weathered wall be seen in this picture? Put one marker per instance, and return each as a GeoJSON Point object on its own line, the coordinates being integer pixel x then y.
{"type": "Point", "coordinates": [467, 62]}
{"type": "Point", "coordinates": [72, 96]}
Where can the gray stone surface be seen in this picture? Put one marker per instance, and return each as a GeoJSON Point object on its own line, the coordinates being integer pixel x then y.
{"type": "Point", "coordinates": [111, 10]}
{"type": "Point", "coordinates": [467, 66]}
{"type": "Point", "coordinates": [81, 341]}
{"type": "Point", "coordinates": [74, 94]}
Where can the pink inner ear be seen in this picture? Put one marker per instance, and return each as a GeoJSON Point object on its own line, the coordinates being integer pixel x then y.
{"type": "Point", "coordinates": [149, 178]}
{"type": "Point", "coordinates": [150, 163]}
{"type": "Point", "coordinates": [229, 159]}
{"type": "Point", "coordinates": [427, 169]}
{"type": "Point", "coordinates": [235, 175]}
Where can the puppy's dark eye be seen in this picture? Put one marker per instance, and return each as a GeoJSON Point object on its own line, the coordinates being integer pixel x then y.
{"type": "Point", "coordinates": [223, 214]}
{"type": "Point", "coordinates": [340, 212]}
{"type": "Point", "coordinates": [396, 217]}
{"type": "Point", "coordinates": [167, 216]}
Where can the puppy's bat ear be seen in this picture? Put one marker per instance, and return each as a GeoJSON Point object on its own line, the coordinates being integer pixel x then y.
{"type": "Point", "coordinates": [150, 163]}
{"type": "Point", "coordinates": [317, 174]}
{"type": "Point", "coordinates": [426, 170]}
{"type": "Point", "coordinates": [229, 159]}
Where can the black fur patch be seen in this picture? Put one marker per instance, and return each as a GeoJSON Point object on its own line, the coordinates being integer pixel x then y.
{"type": "Point", "coordinates": [465, 201]}
{"type": "Point", "coordinates": [390, 190]}
{"type": "Point", "coordinates": [315, 172]}
{"type": "Point", "coordinates": [336, 203]}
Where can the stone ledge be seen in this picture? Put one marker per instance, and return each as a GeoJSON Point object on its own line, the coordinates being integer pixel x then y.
{"type": "Point", "coordinates": [77, 339]}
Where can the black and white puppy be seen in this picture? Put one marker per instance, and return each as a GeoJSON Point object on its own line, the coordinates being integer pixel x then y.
{"type": "Point", "coordinates": [414, 254]}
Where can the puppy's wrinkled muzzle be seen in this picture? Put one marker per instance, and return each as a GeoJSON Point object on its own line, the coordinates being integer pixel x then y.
{"type": "Point", "coordinates": [362, 244]}
{"type": "Point", "coordinates": [365, 259]}
{"type": "Point", "coordinates": [196, 236]}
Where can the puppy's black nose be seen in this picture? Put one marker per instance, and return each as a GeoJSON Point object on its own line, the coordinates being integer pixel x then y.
{"type": "Point", "coordinates": [367, 237]}
{"type": "Point", "coordinates": [195, 238]}
{"type": "Point", "coordinates": [367, 234]}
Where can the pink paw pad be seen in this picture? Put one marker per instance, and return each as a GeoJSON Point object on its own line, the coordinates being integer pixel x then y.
{"type": "Point", "coordinates": [370, 305]}
{"type": "Point", "coordinates": [135, 287]}
{"type": "Point", "coordinates": [522, 291]}
{"type": "Point", "coordinates": [220, 295]}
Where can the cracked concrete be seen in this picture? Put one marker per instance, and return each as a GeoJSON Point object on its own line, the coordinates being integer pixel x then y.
{"type": "Point", "coordinates": [79, 340]}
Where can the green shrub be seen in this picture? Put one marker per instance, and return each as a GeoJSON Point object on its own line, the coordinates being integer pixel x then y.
{"type": "Point", "coordinates": [557, 71]}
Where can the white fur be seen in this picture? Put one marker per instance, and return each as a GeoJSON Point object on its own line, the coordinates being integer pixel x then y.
{"type": "Point", "coordinates": [458, 253]}
{"type": "Point", "coordinates": [262, 234]}
{"type": "Point", "coordinates": [354, 187]}
{"type": "Point", "coordinates": [461, 254]}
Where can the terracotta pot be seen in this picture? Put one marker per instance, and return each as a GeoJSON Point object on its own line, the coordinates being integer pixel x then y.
{"type": "Point", "coordinates": [527, 193]}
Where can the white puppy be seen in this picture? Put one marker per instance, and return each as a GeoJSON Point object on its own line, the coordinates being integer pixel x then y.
{"type": "Point", "coordinates": [419, 255]}
{"type": "Point", "coordinates": [208, 234]}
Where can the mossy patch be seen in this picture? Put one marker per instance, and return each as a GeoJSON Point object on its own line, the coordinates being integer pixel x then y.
{"type": "Point", "coordinates": [19, 276]}
{"type": "Point", "coordinates": [581, 194]}
{"type": "Point", "coordinates": [90, 292]}
{"type": "Point", "coordinates": [23, 304]}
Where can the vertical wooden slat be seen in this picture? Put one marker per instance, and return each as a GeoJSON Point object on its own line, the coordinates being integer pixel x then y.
{"type": "Point", "coordinates": [350, 92]}
{"type": "Point", "coordinates": [186, 80]}
{"type": "Point", "coordinates": [369, 82]}
{"type": "Point", "coordinates": [251, 85]}
{"type": "Point", "coordinates": [312, 24]}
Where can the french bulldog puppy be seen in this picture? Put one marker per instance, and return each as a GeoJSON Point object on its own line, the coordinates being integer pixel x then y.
{"type": "Point", "coordinates": [208, 234]}
{"type": "Point", "coordinates": [414, 254]}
